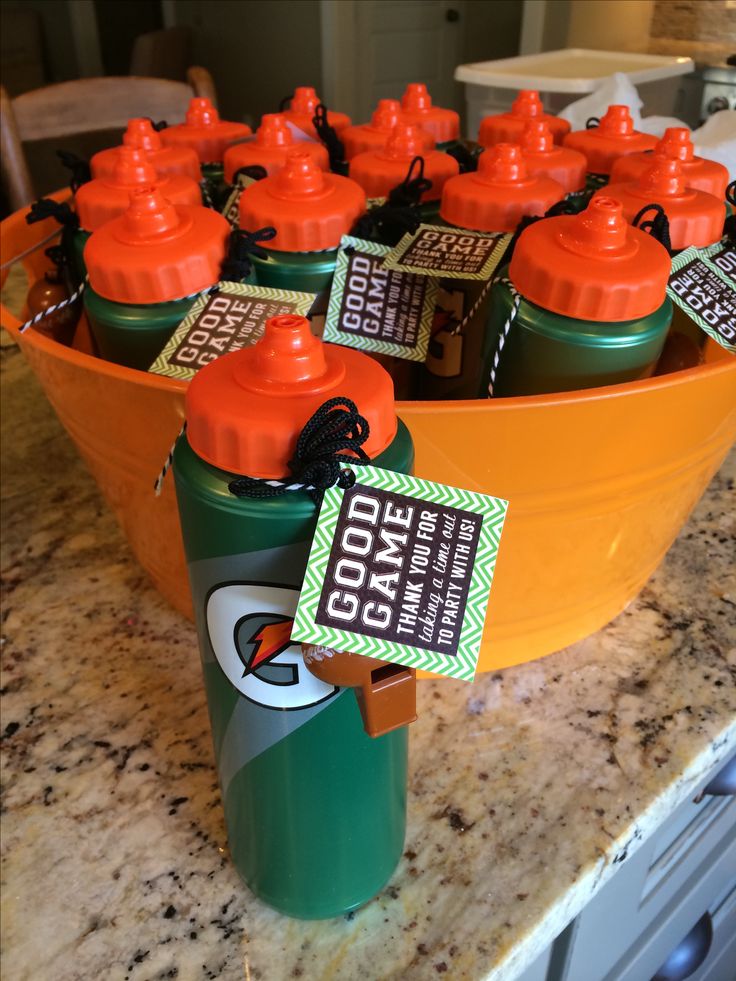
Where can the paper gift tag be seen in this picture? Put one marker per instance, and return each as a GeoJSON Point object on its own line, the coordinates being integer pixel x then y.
{"type": "Point", "coordinates": [400, 569]}
{"type": "Point", "coordinates": [436, 250]}
{"type": "Point", "coordinates": [231, 211]}
{"type": "Point", "coordinates": [224, 321]}
{"type": "Point", "coordinates": [377, 309]}
{"type": "Point", "coordinates": [703, 284]}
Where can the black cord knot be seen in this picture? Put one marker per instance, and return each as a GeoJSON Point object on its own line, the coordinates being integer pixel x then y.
{"type": "Point", "coordinates": [332, 437]}
{"type": "Point", "coordinates": [242, 248]}
{"type": "Point", "coordinates": [563, 207]}
{"type": "Point", "coordinates": [592, 122]}
{"type": "Point", "coordinates": [158, 126]}
{"type": "Point", "coordinates": [328, 136]}
{"type": "Point", "coordinates": [409, 192]}
{"type": "Point", "coordinates": [387, 224]}
{"type": "Point", "coordinates": [658, 226]}
{"type": "Point", "coordinates": [48, 208]}
{"type": "Point", "coordinates": [80, 169]}
{"type": "Point", "coordinates": [467, 159]}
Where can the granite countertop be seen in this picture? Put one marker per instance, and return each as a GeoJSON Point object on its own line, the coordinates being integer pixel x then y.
{"type": "Point", "coordinates": [527, 788]}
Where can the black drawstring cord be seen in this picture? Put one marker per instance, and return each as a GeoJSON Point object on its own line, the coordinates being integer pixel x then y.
{"type": "Point", "coordinates": [467, 159]}
{"type": "Point", "coordinates": [592, 122]}
{"type": "Point", "coordinates": [285, 103]}
{"type": "Point", "coordinates": [242, 247]}
{"type": "Point", "coordinates": [69, 220]}
{"type": "Point", "coordinates": [729, 225]}
{"type": "Point", "coordinates": [389, 222]}
{"type": "Point", "coordinates": [563, 207]}
{"type": "Point", "coordinates": [158, 126]}
{"type": "Point", "coordinates": [409, 192]}
{"type": "Point", "coordinates": [333, 436]}
{"type": "Point", "coordinates": [329, 137]}
{"type": "Point", "coordinates": [658, 226]}
{"type": "Point", "coordinates": [48, 208]}
{"type": "Point", "coordinates": [80, 170]}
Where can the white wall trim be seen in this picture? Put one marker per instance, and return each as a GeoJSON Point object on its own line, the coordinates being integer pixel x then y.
{"type": "Point", "coordinates": [532, 26]}
{"type": "Point", "coordinates": [338, 32]}
{"type": "Point", "coordinates": [86, 38]}
{"type": "Point", "coordinates": [168, 13]}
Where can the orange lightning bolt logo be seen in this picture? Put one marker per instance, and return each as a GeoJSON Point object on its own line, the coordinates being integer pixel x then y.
{"type": "Point", "coordinates": [271, 639]}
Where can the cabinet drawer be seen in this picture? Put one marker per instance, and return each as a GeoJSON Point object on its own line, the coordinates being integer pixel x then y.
{"type": "Point", "coordinates": [720, 964]}
{"type": "Point", "coordinates": [698, 896]}
{"type": "Point", "coordinates": [694, 850]}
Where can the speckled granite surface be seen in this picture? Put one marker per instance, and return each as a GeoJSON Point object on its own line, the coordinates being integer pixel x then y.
{"type": "Point", "coordinates": [527, 789]}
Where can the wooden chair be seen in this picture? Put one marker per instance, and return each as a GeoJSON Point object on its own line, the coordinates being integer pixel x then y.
{"type": "Point", "coordinates": [84, 106]}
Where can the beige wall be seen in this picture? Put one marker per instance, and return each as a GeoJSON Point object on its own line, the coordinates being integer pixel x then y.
{"type": "Point", "coordinates": [612, 25]}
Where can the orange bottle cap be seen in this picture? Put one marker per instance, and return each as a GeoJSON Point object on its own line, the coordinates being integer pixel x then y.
{"type": "Point", "coordinates": [379, 171]}
{"type": "Point", "coordinates": [543, 157]}
{"type": "Point", "coordinates": [269, 149]}
{"type": "Point", "coordinates": [167, 160]}
{"type": "Point", "coordinates": [699, 173]}
{"type": "Point", "coordinates": [156, 251]}
{"type": "Point", "coordinates": [245, 410]}
{"type": "Point", "coordinates": [592, 266]}
{"type": "Point", "coordinates": [303, 106]}
{"type": "Point", "coordinates": [499, 194]}
{"type": "Point", "coordinates": [696, 217]}
{"type": "Point", "coordinates": [204, 132]}
{"type": "Point", "coordinates": [100, 200]}
{"type": "Point", "coordinates": [416, 104]}
{"type": "Point", "coordinates": [614, 137]}
{"type": "Point", "coordinates": [374, 135]}
{"type": "Point", "coordinates": [311, 210]}
{"type": "Point", "coordinates": [507, 127]}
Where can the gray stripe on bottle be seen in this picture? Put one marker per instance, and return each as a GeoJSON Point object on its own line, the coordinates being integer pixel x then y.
{"type": "Point", "coordinates": [253, 729]}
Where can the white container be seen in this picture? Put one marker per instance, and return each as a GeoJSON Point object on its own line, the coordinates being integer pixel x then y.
{"type": "Point", "coordinates": [563, 76]}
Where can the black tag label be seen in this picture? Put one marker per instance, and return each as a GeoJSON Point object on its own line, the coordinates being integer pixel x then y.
{"type": "Point", "coordinates": [400, 570]}
{"type": "Point", "coordinates": [436, 251]}
{"type": "Point", "coordinates": [707, 297]}
{"type": "Point", "coordinates": [232, 318]}
{"type": "Point", "coordinates": [380, 303]}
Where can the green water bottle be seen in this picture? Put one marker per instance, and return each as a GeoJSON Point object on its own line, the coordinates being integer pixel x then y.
{"type": "Point", "coordinates": [145, 267]}
{"type": "Point", "coordinates": [314, 807]}
{"type": "Point", "coordinates": [582, 304]}
{"type": "Point", "coordinates": [381, 171]}
{"type": "Point", "coordinates": [311, 210]}
{"type": "Point", "coordinates": [209, 136]}
{"type": "Point", "coordinates": [603, 144]}
{"type": "Point", "coordinates": [104, 198]}
{"type": "Point", "coordinates": [493, 199]}
{"type": "Point", "coordinates": [417, 108]}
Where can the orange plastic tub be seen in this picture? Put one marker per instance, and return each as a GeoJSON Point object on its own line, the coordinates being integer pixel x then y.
{"type": "Point", "coordinates": [599, 482]}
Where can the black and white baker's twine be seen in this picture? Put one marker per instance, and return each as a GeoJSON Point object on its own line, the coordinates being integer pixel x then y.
{"type": "Point", "coordinates": [82, 287]}
{"type": "Point", "coordinates": [503, 335]}
{"type": "Point", "coordinates": [54, 307]}
{"type": "Point", "coordinates": [462, 324]}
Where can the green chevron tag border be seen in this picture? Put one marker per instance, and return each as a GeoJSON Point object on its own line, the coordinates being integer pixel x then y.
{"type": "Point", "coordinates": [298, 303]}
{"type": "Point", "coordinates": [723, 309]}
{"type": "Point", "coordinates": [461, 666]}
{"type": "Point", "coordinates": [394, 259]}
{"type": "Point", "coordinates": [332, 331]}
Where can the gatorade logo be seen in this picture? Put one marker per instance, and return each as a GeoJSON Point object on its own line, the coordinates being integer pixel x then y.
{"type": "Point", "coordinates": [249, 627]}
